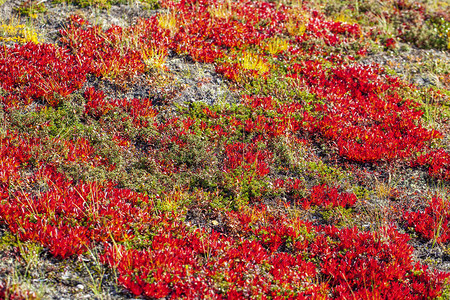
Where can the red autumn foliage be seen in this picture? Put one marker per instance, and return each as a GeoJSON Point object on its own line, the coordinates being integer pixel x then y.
{"type": "Point", "coordinates": [363, 113]}
{"type": "Point", "coordinates": [357, 110]}
{"type": "Point", "coordinates": [433, 223]}
{"type": "Point", "coordinates": [438, 162]}
{"type": "Point", "coordinates": [325, 196]}
{"type": "Point", "coordinates": [38, 72]}
{"type": "Point", "coordinates": [104, 211]}
{"type": "Point", "coordinates": [373, 264]}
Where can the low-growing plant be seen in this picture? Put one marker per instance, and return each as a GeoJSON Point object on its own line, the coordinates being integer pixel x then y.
{"type": "Point", "coordinates": [338, 216]}
{"type": "Point", "coordinates": [151, 4]}
{"type": "Point", "coordinates": [31, 8]}
{"type": "Point", "coordinates": [30, 253]}
{"type": "Point", "coordinates": [154, 58]}
{"type": "Point", "coordinates": [438, 162]}
{"type": "Point", "coordinates": [175, 201]}
{"type": "Point", "coordinates": [221, 10]}
{"type": "Point", "coordinates": [270, 196]}
{"type": "Point", "coordinates": [168, 21]}
{"type": "Point", "coordinates": [277, 45]}
{"type": "Point", "coordinates": [13, 31]}
{"type": "Point", "coordinates": [433, 223]}
{"type": "Point", "coordinates": [252, 62]}
{"type": "Point", "coordinates": [10, 290]}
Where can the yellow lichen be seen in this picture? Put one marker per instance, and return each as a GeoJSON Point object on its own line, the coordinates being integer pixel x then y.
{"type": "Point", "coordinates": [18, 33]}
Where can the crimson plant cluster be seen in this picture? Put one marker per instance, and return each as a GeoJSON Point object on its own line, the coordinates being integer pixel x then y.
{"type": "Point", "coordinates": [358, 113]}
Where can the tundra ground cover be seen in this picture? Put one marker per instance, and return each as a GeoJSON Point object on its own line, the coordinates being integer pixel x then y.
{"type": "Point", "coordinates": [322, 179]}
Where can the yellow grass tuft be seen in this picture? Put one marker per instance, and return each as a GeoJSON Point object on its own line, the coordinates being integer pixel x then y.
{"type": "Point", "coordinates": [154, 58]}
{"type": "Point", "coordinates": [221, 11]}
{"type": "Point", "coordinates": [344, 18]}
{"type": "Point", "coordinates": [168, 21]}
{"type": "Point", "coordinates": [297, 20]}
{"type": "Point", "coordinates": [295, 28]}
{"type": "Point", "coordinates": [252, 61]}
{"type": "Point", "coordinates": [277, 45]}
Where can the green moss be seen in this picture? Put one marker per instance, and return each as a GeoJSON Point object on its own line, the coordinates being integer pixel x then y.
{"type": "Point", "coordinates": [338, 216]}
{"type": "Point", "coordinates": [324, 173]}
{"type": "Point", "coordinates": [361, 192]}
{"type": "Point", "coordinates": [241, 187]}
{"type": "Point", "coordinates": [434, 106]}
{"type": "Point", "coordinates": [7, 240]}
{"type": "Point", "coordinates": [62, 121]}
{"type": "Point", "coordinates": [175, 202]}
